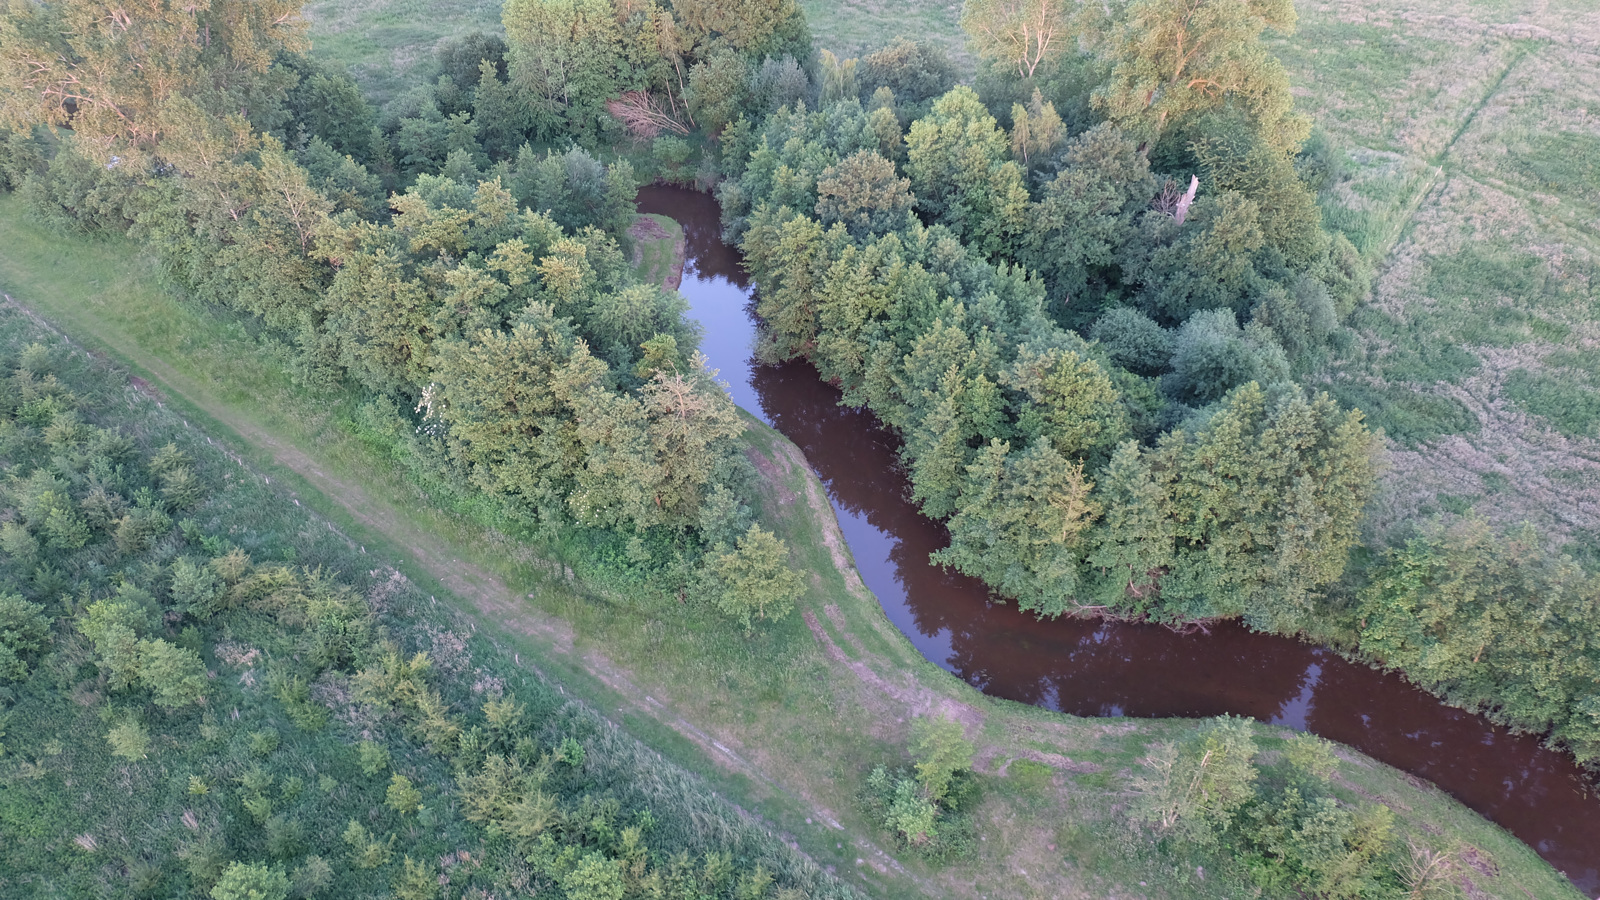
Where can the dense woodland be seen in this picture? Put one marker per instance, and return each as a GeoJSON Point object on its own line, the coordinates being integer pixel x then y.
{"type": "Point", "coordinates": [1091, 291]}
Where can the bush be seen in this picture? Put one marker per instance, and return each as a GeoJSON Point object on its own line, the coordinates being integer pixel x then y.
{"type": "Point", "coordinates": [754, 580]}
{"type": "Point", "coordinates": [245, 881]}
{"type": "Point", "coordinates": [402, 796]}
{"type": "Point", "coordinates": [1195, 788]}
{"type": "Point", "coordinates": [129, 741]}
{"type": "Point", "coordinates": [24, 630]}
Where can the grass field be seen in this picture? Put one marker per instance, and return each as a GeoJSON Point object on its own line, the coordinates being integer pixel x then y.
{"type": "Point", "coordinates": [780, 724]}
{"type": "Point", "coordinates": [387, 43]}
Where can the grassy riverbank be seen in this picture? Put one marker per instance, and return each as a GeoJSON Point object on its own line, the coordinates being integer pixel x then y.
{"type": "Point", "coordinates": [784, 723]}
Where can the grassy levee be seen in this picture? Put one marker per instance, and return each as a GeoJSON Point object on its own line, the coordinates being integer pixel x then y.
{"type": "Point", "coordinates": [784, 723]}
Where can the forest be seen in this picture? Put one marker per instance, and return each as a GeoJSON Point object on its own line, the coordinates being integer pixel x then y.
{"type": "Point", "coordinates": [1091, 291]}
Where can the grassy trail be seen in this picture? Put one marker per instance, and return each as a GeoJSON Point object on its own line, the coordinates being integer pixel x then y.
{"type": "Point", "coordinates": [781, 724]}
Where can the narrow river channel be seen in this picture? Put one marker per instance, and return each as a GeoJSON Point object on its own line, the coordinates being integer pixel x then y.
{"type": "Point", "coordinates": [1097, 668]}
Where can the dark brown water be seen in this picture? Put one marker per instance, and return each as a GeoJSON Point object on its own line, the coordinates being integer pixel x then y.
{"type": "Point", "coordinates": [1095, 668]}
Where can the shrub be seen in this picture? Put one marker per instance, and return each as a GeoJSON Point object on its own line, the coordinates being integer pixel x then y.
{"type": "Point", "coordinates": [753, 581]}
{"type": "Point", "coordinates": [403, 797]}
{"type": "Point", "coordinates": [251, 881]}
{"type": "Point", "coordinates": [24, 630]}
{"type": "Point", "coordinates": [129, 741]}
{"type": "Point", "coordinates": [1196, 787]}
{"type": "Point", "coordinates": [941, 749]}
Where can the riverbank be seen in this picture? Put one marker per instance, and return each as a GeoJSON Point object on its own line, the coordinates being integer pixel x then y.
{"type": "Point", "coordinates": [777, 723]}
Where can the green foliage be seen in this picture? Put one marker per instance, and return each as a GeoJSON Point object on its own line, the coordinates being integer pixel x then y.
{"type": "Point", "coordinates": [1133, 340]}
{"type": "Point", "coordinates": [1171, 61]}
{"type": "Point", "coordinates": [417, 881]}
{"type": "Point", "coordinates": [402, 796]}
{"type": "Point", "coordinates": [374, 758]}
{"type": "Point", "coordinates": [129, 740]}
{"type": "Point", "coordinates": [594, 878]}
{"type": "Point", "coordinates": [1020, 525]}
{"type": "Point", "coordinates": [24, 631]}
{"type": "Point", "coordinates": [245, 881]}
{"type": "Point", "coordinates": [910, 814]}
{"type": "Point", "coordinates": [366, 850]}
{"type": "Point", "coordinates": [1087, 212]}
{"type": "Point", "coordinates": [1494, 622]}
{"type": "Point", "coordinates": [941, 749]}
{"type": "Point", "coordinates": [753, 580]}
{"type": "Point", "coordinates": [1212, 355]}
{"type": "Point", "coordinates": [1195, 788]}
{"type": "Point", "coordinates": [914, 72]}
{"type": "Point", "coordinates": [863, 192]}
{"type": "Point", "coordinates": [175, 675]}
{"type": "Point", "coordinates": [1201, 507]}
{"type": "Point", "coordinates": [962, 177]}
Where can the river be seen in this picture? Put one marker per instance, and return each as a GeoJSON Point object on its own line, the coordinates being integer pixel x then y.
{"type": "Point", "coordinates": [1099, 668]}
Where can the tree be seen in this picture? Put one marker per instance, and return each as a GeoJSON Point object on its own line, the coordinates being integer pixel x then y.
{"type": "Point", "coordinates": [1023, 34]}
{"type": "Point", "coordinates": [914, 72]}
{"type": "Point", "coordinates": [1134, 547]}
{"type": "Point", "coordinates": [496, 113]}
{"type": "Point", "coordinates": [1134, 340]}
{"type": "Point", "coordinates": [251, 881]}
{"type": "Point", "coordinates": [1493, 620]}
{"type": "Point", "coordinates": [1234, 156]}
{"type": "Point", "coordinates": [1267, 498]}
{"type": "Point", "coordinates": [1198, 786]}
{"type": "Point", "coordinates": [564, 63]}
{"type": "Point", "coordinates": [718, 89]}
{"type": "Point", "coordinates": [1206, 262]}
{"type": "Point", "coordinates": [1036, 131]}
{"type": "Point", "coordinates": [755, 28]}
{"type": "Point", "coordinates": [941, 750]}
{"type": "Point", "coordinates": [114, 625]}
{"type": "Point", "coordinates": [1073, 404]}
{"type": "Point", "coordinates": [403, 797]}
{"type": "Point", "coordinates": [506, 399]}
{"type": "Point", "coordinates": [196, 590]}
{"type": "Point", "coordinates": [1212, 356]}
{"type": "Point", "coordinates": [753, 581]}
{"type": "Point", "coordinates": [416, 881]}
{"type": "Point", "coordinates": [1087, 211]}
{"type": "Point", "coordinates": [594, 878]}
{"type": "Point", "coordinates": [1174, 59]}
{"type": "Point", "coordinates": [864, 192]}
{"type": "Point", "coordinates": [1019, 525]}
{"type": "Point", "coordinates": [111, 74]}
{"type": "Point", "coordinates": [129, 741]}
{"type": "Point", "coordinates": [176, 675]}
{"type": "Point", "coordinates": [692, 424]}
{"type": "Point", "coordinates": [957, 160]}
